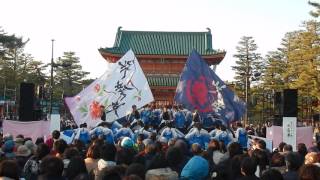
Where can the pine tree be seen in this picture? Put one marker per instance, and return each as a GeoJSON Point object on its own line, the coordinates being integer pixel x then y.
{"type": "Point", "coordinates": [248, 67]}
{"type": "Point", "coordinates": [275, 67]}
{"type": "Point", "coordinates": [303, 62]}
{"type": "Point", "coordinates": [69, 75]}
{"type": "Point", "coordinates": [248, 64]}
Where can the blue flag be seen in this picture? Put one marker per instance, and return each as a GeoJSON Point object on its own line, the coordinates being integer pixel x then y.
{"type": "Point", "coordinates": [200, 88]}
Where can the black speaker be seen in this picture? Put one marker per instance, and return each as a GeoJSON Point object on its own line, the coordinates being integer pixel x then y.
{"type": "Point", "coordinates": [277, 120]}
{"type": "Point", "coordinates": [290, 103]}
{"type": "Point", "coordinates": [278, 103]}
{"type": "Point", "coordinates": [278, 98]}
{"type": "Point", "coordinates": [26, 102]}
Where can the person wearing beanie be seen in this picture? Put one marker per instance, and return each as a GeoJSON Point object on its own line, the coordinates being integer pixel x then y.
{"type": "Point", "coordinates": [197, 168]}
{"type": "Point", "coordinates": [31, 146]}
{"type": "Point", "coordinates": [8, 148]}
{"type": "Point", "coordinates": [22, 155]}
{"type": "Point", "coordinates": [107, 154]}
{"type": "Point", "coordinates": [126, 142]}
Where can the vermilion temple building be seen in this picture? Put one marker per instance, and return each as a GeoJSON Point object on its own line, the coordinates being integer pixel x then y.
{"type": "Point", "coordinates": [162, 56]}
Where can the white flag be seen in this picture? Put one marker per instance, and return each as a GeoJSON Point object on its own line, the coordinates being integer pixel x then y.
{"type": "Point", "coordinates": [120, 87]}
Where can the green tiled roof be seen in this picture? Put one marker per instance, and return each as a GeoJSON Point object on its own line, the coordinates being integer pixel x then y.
{"type": "Point", "coordinates": [161, 43]}
{"type": "Point", "coordinates": [157, 80]}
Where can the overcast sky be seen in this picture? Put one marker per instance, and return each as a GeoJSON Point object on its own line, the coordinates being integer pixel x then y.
{"type": "Point", "coordinates": [84, 26]}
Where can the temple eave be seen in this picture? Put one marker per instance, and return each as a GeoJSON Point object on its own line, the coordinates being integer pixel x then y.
{"type": "Point", "coordinates": [211, 59]}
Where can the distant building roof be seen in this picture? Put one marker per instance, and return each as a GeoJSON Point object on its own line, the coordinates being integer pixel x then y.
{"type": "Point", "coordinates": [162, 43]}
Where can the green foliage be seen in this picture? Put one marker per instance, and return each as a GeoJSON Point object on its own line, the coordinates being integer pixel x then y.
{"type": "Point", "coordinates": [316, 12]}
{"type": "Point", "coordinates": [248, 63]}
{"type": "Point", "coordinates": [69, 76]}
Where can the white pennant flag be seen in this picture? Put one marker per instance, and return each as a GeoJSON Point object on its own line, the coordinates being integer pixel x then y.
{"type": "Point", "coordinates": [120, 87]}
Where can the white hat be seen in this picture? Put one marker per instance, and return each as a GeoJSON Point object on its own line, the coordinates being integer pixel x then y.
{"type": "Point", "coordinates": [23, 151]}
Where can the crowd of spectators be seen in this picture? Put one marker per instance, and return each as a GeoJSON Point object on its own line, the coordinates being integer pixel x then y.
{"type": "Point", "coordinates": [151, 154]}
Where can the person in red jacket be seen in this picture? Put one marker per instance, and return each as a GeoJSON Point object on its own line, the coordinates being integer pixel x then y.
{"type": "Point", "coordinates": [54, 137]}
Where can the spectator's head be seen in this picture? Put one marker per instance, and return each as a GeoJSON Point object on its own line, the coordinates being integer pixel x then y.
{"type": "Point", "coordinates": [311, 158]}
{"type": "Point", "coordinates": [277, 160]}
{"type": "Point", "coordinates": [182, 146]}
{"type": "Point", "coordinates": [248, 167]}
{"type": "Point", "coordinates": [196, 168]}
{"type": "Point", "coordinates": [151, 148]}
{"type": "Point", "coordinates": [293, 161]}
{"type": "Point", "coordinates": [23, 151]}
{"type": "Point", "coordinates": [9, 169]}
{"type": "Point", "coordinates": [39, 140]}
{"type": "Point", "coordinates": [234, 149]}
{"type": "Point", "coordinates": [7, 137]}
{"type": "Point", "coordinates": [302, 149]}
{"type": "Point", "coordinates": [29, 144]}
{"type": "Point", "coordinates": [309, 172]}
{"type": "Point", "coordinates": [56, 134]}
{"type": "Point", "coordinates": [93, 152]}
{"type": "Point", "coordinates": [261, 158]}
{"type": "Point", "coordinates": [239, 124]}
{"type": "Point", "coordinates": [134, 107]}
{"type": "Point", "coordinates": [271, 174]}
{"type": "Point", "coordinates": [75, 167]}
{"type": "Point", "coordinates": [287, 148]}
{"type": "Point", "coordinates": [98, 142]}
{"type": "Point", "coordinates": [196, 149]}
{"type": "Point", "coordinates": [214, 145]}
{"type": "Point", "coordinates": [8, 146]}
{"type": "Point", "coordinates": [60, 146]}
{"type": "Point", "coordinates": [84, 125]}
{"type": "Point", "coordinates": [19, 140]}
{"type": "Point", "coordinates": [125, 156]}
{"type": "Point", "coordinates": [140, 138]}
{"type": "Point", "coordinates": [113, 173]}
{"type": "Point", "coordinates": [136, 169]}
{"type": "Point", "coordinates": [108, 152]}
{"type": "Point", "coordinates": [70, 152]}
{"type": "Point", "coordinates": [281, 145]}
{"type": "Point", "coordinates": [261, 144]}
{"type": "Point", "coordinates": [157, 162]}
{"type": "Point", "coordinates": [51, 167]}
{"type": "Point", "coordinates": [153, 136]}
{"type": "Point", "coordinates": [174, 156]}
{"type": "Point", "coordinates": [197, 125]}
{"type": "Point", "coordinates": [126, 142]}
{"type": "Point", "coordinates": [161, 174]}
{"type": "Point", "coordinates": [42, 150]}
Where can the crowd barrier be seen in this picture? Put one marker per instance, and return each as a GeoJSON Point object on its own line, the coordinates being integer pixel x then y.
{"type": "Point", "coordinates": [33, 129]}
{"type": "Point", "coordinates": [304, 135]}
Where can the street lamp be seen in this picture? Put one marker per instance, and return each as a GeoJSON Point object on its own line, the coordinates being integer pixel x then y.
{"type": "Point", "coordinates": [51, 78]}
{"type": "Point", "coordinates": [53, 65]}
{"type": "Point", "coordinates": [252, 77]}
{"type": "Point", "coordinates": [4, 94]}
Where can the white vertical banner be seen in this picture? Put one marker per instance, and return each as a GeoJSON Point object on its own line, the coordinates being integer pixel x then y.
{"type": "Point", "coordinates": [290, 131]}
{"type": "Point", "coordinates": [121, 86]}
{"type": "Point", "coordinates": [54, 122]}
